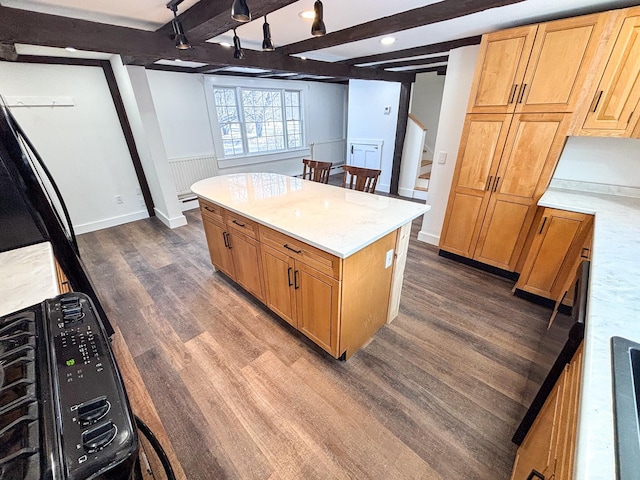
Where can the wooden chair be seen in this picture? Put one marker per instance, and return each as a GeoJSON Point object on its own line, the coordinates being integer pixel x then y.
{"type": "Point", "coordinates": [317, 171]}
{"type": "Point", "coordinates": [365, 178]}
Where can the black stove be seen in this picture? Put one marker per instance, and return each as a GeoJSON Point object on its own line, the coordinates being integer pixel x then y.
{"type": "Point", "coordinates": [64, 413]}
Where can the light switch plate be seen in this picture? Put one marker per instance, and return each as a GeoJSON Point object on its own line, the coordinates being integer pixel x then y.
{"type": "Point", "coordinates": [388, 259]}
{"type": "Point", "coordinates": [442, 157]}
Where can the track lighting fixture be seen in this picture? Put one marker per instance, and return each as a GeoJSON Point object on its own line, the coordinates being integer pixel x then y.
{"type": "Point", "coordinates": [237, 48]}
{"type": "Point", "coordinates": [267, 43]}
{"type": "Point", "coordinates": [181, 39]}
{"type": "Point", "coordinates": [318, 29]}
{"type": "Point", "coordinates": [240, 11]}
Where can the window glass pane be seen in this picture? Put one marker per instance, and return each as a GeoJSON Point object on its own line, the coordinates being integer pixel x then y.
{"type": "Point", "coordinates": [229, 121]}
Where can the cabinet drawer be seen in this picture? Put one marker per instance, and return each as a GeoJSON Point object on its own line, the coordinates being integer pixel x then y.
{"type": "Point", "coordinates": [322, 261]}
{"type": "Point", "coordinates": [211, 210]}
{"type": "Point", "coordinates": [242, 224]}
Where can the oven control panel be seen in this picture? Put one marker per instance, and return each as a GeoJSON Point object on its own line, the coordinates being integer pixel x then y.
{"type": "Point", "coordinates": [97, 425]}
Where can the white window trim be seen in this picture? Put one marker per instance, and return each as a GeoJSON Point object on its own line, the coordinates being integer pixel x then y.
{"type": "Point", "coordinates": [245, 82]}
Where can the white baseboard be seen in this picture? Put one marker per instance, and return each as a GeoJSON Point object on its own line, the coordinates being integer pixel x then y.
{"type": "Point", "coordinates": [189, 204]}
{"type": "Point", "coordinates": [110, 222]}
{"type": "Point", "coordinates": [382, 187]}
{"type": "Point", "coordinates": [421, 195]}
{"type": "Point", "coordinates": [405, 192]}
{"type": "Point", "coordinates": [174, 222]}
{"type": "Point", "coordinates": [429, 238]}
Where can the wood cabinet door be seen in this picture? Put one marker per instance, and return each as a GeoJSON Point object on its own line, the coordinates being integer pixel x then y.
{"type": "Point", "coordinates": [531, 152]}
{"type": "Point", "coordinates": [557, 231]}
{"type": "Point", "coordinates": [560, 59]}
{"type": "Point", "coordinates": [614, 111]}
{"type": "Point", "coordinates": [317, 305]}
{"type": "Point", "coordinates": [218, 251]}
{"type": "Point", "coordinates": [501, 67]}
{"type": "Point", "coordinates": [483, 139]}
{"type": "Point", "coordinates": [278, 284]}
{"type": "Point", "coordinates": [247, 263]}
{"type": "Point", "coordinates": [537, 451]}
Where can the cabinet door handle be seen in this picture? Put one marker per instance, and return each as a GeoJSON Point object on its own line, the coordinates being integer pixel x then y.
{"type": "Point", "coordinates": [544, 220]}
{"type": "Point", "coordinates": [209, 209]}
{"type": "Point", "coordinates": [535, 474]}
{"type": "Point", "coordinates": [228, 240]}
{"type": "Point", "coordinates": [495, 185]}
{"type": "Point", "coordinates": [596, 101]}
{"type": "Point", "coordinates": [513, 93]}
{"type": "Point", "coordinates": [292, 249]}
{"type": "Point", "coordinates": [524, 87]}
{"type": "Point", "coordinates": [296, 285]}
{"type": "Point", "coordinates": [224, 237]}
{"type": "Point", "coordinates": [289, 276]}
{"type": "Point", "coordinates": [585, 252]}
{"type": "Point", "coordinates": [238, 223]}
{"type": "Point", "coordinates": [489, 183]}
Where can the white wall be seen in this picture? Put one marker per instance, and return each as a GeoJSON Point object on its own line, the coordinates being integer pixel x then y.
{"type": "Point", "coordinates": [83, 145]}
{"type": "Point", "coordinates": [462, 62]}
{"type": "Point", "coordinates": [146, 129]}
{"type": "Point", "coordinates": [182, 113]}
{"type": "Point", "coordinates": [611, 161]}
{"type": "Point", "coordinates": [367, 120]}
{"type": "Point", "coordinates": [426, 100]}
{"type": "Point", "coordinates": [189, 125]}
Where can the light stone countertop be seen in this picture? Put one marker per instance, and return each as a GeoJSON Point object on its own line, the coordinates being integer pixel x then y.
{"type": "Point", "coordinates": [27, 276]}
{"type": "Point", "coordinates": [334, 219]}
{"type": "Point", "coordinates": [613, 309]}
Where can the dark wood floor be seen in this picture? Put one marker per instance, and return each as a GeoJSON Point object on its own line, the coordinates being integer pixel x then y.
{"type": "Point", "coordinates": [241, 395]}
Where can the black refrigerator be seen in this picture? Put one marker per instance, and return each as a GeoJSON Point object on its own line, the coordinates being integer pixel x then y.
{"type": "Point", "coordinates": [32, 209]}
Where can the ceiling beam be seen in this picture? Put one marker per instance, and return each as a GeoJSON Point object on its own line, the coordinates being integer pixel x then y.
{"type": "Point", "coordinates": [434, 13]}
{"type": "Point", "coordinates": [210, 18]}
{"type": "Point", "coordinates": [21, 26]}
{"type": "Point", "coordinates": [416, 51]}
{"type": "Point", "coordinates": [441, 70]}
{"type": "Point", "coordinates": [8, 52]}
{"type": "Point", "coordinates": [410, 63]}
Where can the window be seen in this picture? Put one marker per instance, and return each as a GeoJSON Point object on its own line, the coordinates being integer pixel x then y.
{"type": "Point", "coordinates": [256, 120]}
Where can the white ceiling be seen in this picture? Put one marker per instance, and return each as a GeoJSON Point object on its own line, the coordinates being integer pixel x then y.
{"type": "Point", "coordinates": [287, 27]}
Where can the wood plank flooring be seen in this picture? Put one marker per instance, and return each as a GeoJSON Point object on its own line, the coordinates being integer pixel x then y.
{"type": "Point", "coordinates": [235, 393]}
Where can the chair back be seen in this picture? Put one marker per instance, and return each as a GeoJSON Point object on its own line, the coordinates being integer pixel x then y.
{"type": "Point", "coordinates": [316, 171]}
{"type": "Point", "coordinates": [363, 179]}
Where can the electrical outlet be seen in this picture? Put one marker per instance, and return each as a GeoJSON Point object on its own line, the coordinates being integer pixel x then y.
{"type": "Point", "coordinates": [388, 261]}
{"type": "Point", "coordinates": [442, 157]}
{"type": "Point", "coordinates": [387, 110]}
{"type": "Point", "coordinates": [119, 200]}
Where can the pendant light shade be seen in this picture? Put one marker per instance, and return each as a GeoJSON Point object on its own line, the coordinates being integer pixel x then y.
{"type": "Point", "coordinates": [240, 11]}
{"type": "Point", "coordinates": [318, 29]}
{"type": "Point", "coordinates": [178, 32]}
{"type": "Point", "coordinates": [237, 48]}
{"type": "Point", "coordinates": [267, 43]}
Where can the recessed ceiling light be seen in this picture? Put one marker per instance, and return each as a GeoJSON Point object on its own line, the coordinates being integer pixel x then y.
{"type": "Point", "coordinates": [178, 59]}
{"type": "Point", "coordinates": [225, 44]}
{"type": "Point", "coordinates": [303, 58]}
{"type": "Point", "coordinates": [387, 40]}
{"type": "Point", "coordinates": [307, 14]}
{"type": "Point", "coordinates": [71, 49]}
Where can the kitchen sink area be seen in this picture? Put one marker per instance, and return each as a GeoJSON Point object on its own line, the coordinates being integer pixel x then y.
{"type": "Point", "coordinates": [626, 397]}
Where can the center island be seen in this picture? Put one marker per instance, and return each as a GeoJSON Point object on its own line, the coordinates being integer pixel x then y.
{"type": "Point", "coordinates": [328, 260]}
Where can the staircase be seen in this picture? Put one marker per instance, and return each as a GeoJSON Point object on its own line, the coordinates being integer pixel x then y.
{"type": "Point", "coordinates": [422, 182]}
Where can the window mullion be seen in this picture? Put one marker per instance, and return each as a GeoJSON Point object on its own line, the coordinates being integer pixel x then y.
{"type": "Point", "coordinates": [243, 126]}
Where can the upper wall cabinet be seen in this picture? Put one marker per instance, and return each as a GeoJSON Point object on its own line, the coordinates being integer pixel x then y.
{"type": "Point", "coordinates": [613, 110]}
{"type": "Point", "coordinates": [536, 69]}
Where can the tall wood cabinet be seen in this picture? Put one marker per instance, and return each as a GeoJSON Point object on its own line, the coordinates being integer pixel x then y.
{"type": "Point", "coordinates": [613, 110]}
{"type": "Point", "coordinates": [504, 166]}
{"type": "Point", "coordinates": [528, 82]}
{"type": "Point", "coordinates": [536, 68]}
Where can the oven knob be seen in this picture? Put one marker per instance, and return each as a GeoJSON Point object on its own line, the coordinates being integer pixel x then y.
{"type": "Point", "coordinates": [71, 301]}
{"type": "Point", "coordinates": [93, 410]}
{"type": "Point", "coordinates": [99, 436]}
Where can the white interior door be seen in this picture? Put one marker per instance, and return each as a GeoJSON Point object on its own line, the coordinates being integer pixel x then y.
{"type": "Point", "coordinates": [367, 155]}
